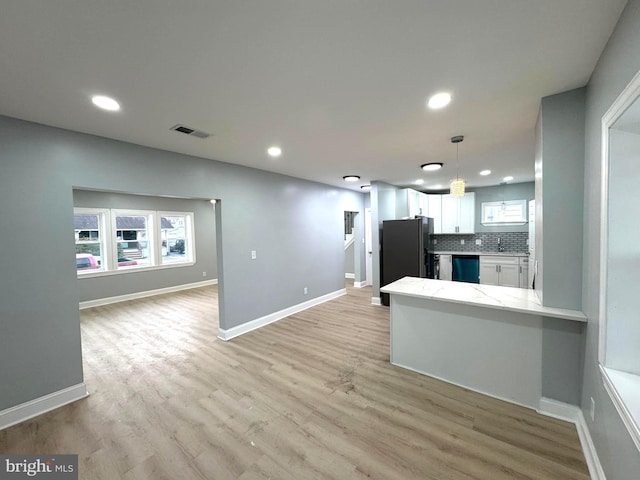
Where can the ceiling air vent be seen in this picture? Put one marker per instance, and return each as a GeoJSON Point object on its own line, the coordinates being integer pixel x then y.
{"type": "Point", "coordinates": [190, 131]}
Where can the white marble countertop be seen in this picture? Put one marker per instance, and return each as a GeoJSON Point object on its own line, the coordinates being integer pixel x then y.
{"type": "Point", "coordinates": [504, 254]}
{"type": "Point", "coordinates": [488, 296]}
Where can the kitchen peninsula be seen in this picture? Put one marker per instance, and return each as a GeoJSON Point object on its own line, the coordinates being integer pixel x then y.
{"type": "Point", "coordinates": [495, 340]}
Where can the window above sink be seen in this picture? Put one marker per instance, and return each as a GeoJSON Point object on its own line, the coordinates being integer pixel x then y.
{"type": "Point", "coordinates": [507, 212]}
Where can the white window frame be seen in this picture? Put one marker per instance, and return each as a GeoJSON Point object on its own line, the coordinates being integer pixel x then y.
{"type": "Point", "coordinates": [622, 387]}
{"type": "Point", "coordinates": [189, 240]}
{"type": "Point", "coordinates": [110, 244]}
{"type": "Point", "coordinates": [150, 215]}
{"type": "Point", "coordinates": [488, 205]}
{"type": "Point", "coordinates": [105, 234]}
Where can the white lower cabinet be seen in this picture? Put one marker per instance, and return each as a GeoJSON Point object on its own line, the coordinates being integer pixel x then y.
{"type": "Point", "coordinates": [446, 267]}
{"type": "Point", "coordinates": [500, 270]}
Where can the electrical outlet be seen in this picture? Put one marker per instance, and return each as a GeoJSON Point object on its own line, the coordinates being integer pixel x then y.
{"type": "Point", "coordinates": [204, 274]}
{"type": "Point", "coordinates": [593, 410]}
{"type": "Point", "coordinates": [478, 241]}
{"type": "Point", "coordinates": [435, 241]}
{"type": "Point", "coordinates": [253, 255]}
{"type": "Point", "coordinates": [462, 241]}
{"type": "Point", "coordinates": [306, 290]}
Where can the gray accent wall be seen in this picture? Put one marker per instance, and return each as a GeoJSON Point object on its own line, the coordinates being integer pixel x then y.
{"type": "Point", "coordinates": [618, 64]}
{"type": "Point", "coordinates": [349, 259]}
{"type": "Point", "coordinates": [295, 226]}
{"type": "Point", "coordinates": [562, 193]}
{"type": "Point", "coordinates": [92, 288]}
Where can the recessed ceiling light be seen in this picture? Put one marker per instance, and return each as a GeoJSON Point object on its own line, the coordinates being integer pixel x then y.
{"type": "Point", "coordinates": [106, 103]}
{"type": "Point", "coordinates": [485, 172]}
{"type": "Point", "coordinates": [419, 181]}
{"type": "Point", "coordinates": [274, 151]}
{"type": "Point", "coordinates": [439, 100]}
{"type": "Point", "coordinates": [366, 187]}
{"type": "Point", "coordinates": [351, 178]}
{"type": "Point", "coordinates": [437, 186]}
{"type": "Point", "coordinates": [431, 167]}
{"type": "Point", "coordinates": [508, 178]}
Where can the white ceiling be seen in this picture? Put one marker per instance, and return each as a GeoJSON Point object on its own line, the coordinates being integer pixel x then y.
{"type": "Point", "coordinates": [340, 85]}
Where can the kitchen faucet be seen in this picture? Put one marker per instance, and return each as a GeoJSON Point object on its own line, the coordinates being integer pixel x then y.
{"type": "Point", "coordinates": [500, 246]}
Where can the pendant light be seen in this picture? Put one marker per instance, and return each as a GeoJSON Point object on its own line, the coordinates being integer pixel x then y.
{"type": "Point", "coordinates": [456, 188]}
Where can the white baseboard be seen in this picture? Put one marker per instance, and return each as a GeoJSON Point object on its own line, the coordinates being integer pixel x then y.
{"type": "Point", "coordinates": [376, 300]}
{"type": "Point", "coordinates": [359, 284]}
{"type": "Point", "coordinates": [349, 275]}
{"type": "Point", "coordinates": [147, 293]}
{"type": "Point", "coordinates": [573, 414]}
{"type": "Point", "coordinates": [20, 413]}
{"type": "Point", "coordinates": [279, 315]}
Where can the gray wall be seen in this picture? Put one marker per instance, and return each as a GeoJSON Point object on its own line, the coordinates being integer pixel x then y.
{"type": "Point", "coordinates": [618, 64]}
{"type": "Point", "coordinates": [498, 193]}
{"type": "Point", "coordinates": [562, 359]}
{"type": "Point", "coordinates": [295, 226]}
{"type": "Point", "coordinates": [205, 240]}
{"type": "Point", "coordinates": [562, 193]}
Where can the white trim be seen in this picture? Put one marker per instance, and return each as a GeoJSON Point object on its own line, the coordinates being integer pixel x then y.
{"type": "Point", "coordinates": [573, 414]}
{"type": "Point", "coordinates": [275, 316]}
{"type": "Point", "coordinates": [20, 413]}
{"type": "Point", "coordinates": [98, 302]}
{"type": "Point", "coordinates": [349, 275]}
{"type": "Point", "coordinates": [376, 300]}
{"type": "Point", "coordinates": [359, 284]}
{"type": "Point", "coordinates": [621, 407]}
{"type": "Point", "coordinates": [617, 108]}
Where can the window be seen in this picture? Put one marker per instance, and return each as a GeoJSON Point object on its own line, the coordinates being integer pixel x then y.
{"type": "Point", "coordinates": [176, 233]}
{"type": "Point", "coordinates": [508, 212]}
{"type": "Point", "coordinates": [133, 234]}
{"type": "Point", "coordinates": [89, 230]}
{"type": "Point", "coordinates": [619, 337]}
{"type": "Point", "coordinates": [116, 241]}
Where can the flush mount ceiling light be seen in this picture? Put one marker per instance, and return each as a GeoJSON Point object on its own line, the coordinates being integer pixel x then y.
{"type": "Point", "coordinates": [437, 186]}
{"type": "Point", "coordinates": [351, 178]}
{"type": "Point", "coordinates": [456, 187]}
{"type": "Point", "coordinates": [419, 181]}
{"type": "Point", "coordinates": [484, 173]}
{"type": "Point", "coordinates": [431, 167]}
{"type": "Point", "coordinates": [439, 100]}
{"type": "Point", "coordinates": [366, 188]}
{"type": "Point", "coordinates": [274, 151]}
{"type": "Point", "coordinates": [508, 178]}
{"type": "Point", "coordinates": [106, 103]}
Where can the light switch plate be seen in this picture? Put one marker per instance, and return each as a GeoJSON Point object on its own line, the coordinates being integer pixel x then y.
{"type": "Point", "coordinates": [253, 255]}
{"type": "Point", "coordinates": [478, 241]}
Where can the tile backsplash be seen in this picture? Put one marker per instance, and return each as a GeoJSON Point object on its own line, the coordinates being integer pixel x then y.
{"type": "Point", "coordinates": [512, 242]}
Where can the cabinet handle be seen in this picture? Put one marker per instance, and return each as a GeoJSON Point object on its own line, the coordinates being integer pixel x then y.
{"type": "Point", "coordinates": [520, 269]}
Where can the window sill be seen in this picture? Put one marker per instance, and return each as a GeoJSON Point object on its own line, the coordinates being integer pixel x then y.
{"type": "Point", "coordinates": [624, 390]}
{"type": "Point", "coordinates": [502, 224]}
{"type": "Point", "coordinates": [134, 270]}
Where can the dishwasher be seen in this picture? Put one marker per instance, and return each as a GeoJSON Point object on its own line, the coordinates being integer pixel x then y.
{"type": "Point", "coordinates": [466, 268]}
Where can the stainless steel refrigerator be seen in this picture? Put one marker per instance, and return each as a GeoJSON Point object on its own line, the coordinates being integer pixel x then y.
{"type": "Point", "coordinates": [406, 250]}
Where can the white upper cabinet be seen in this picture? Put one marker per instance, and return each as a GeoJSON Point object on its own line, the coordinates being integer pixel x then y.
{"type": "Point", "coordinates": [434, 210]}
{"type": "Point", "coordinates": [458, 213]}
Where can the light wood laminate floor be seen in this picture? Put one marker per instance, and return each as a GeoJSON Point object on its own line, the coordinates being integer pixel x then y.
{"type": "Point", "coordinates": [311, 396]}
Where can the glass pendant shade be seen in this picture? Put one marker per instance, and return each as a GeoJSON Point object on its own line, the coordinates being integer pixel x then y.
{"type": "Point", "coordinates": [457, 187]}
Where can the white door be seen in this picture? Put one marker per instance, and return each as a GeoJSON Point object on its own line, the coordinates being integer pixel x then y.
{"type": "Point", "coordinates": [489, 273]}
{"type": "Point", "coordinates": [368, 247]}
